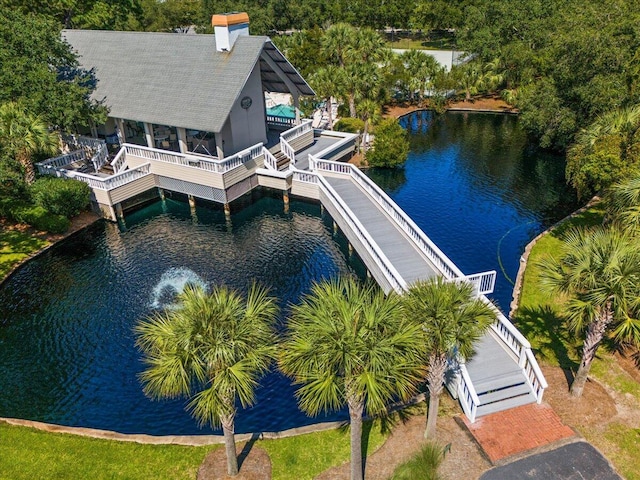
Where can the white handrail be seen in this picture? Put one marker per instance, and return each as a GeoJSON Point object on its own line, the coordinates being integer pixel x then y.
{"type": "Point", "coordinates": [535, 375]}
{"type": "Point", "coordinates": [269, 160]}
{"type": "Point", "coordinates": [288, 151]}
{"type": "Point", "coordinates": [467, 394]}
{"type": "Point", "coordinates": [62, 160]}
{"type": "Point", "coordinates": [296, 131]}
{"type": "Point", "coordinates": [431, 251]}
{"type": "Point", "coordinates": [200, 162]}
{"type": "Point", "coordinates": [483, 283]}
{"type": "Point", "coordinates": [113, 181]}
{"type": "Point", "coordinates": [119, 162]}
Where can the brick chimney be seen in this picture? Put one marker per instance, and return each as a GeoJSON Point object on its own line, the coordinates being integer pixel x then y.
{"type": "Point", "coordinates": [228, 27]}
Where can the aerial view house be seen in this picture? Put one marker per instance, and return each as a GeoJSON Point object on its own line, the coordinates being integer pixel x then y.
{"type": "Point", "coordinates": [187, 113]}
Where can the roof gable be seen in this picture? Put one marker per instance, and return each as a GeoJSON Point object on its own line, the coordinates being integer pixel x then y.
{"type": "Point", "coordinates": [166, 78]}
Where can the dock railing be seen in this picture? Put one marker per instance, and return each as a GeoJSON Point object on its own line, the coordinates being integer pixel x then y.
{"type": "Point", "coordinates": [196, 161]}
{"type": "Point", "coordinates": [483, 282]}
{"type": "Point", "coordinates": [114, 181]}
{"type": "Point", "coordinates": [270, 161]}
{"type": "Point", "coordinates": [391, 274]}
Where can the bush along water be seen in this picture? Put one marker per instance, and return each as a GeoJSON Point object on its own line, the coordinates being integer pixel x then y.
{"type": "Point", "coordinates": [60, 196]}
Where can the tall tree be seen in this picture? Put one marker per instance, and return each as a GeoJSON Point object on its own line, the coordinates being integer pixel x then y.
{"type": "Point", "coordinates": [369, 110]}
{"type": "Point", "coordinates": [347, 344]}
{"type": "Point", "coordinates": [211, 348]}
{"type": "Point", "coordinates": [22, 135]}
{"type": "Point", "coordinates": [599, 273]}
{"type": "Point", "coordinates": [451, 321]}
{"type": "Point", "coordinates": [39, 69]}
{"type": "Point", "coordinates": [326, 83]}
{"type": "Point", "coordinates": [623, 204]}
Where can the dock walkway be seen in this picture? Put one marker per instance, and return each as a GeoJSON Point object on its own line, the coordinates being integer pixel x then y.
{"type": "Point", "coordinates": [503, 373]}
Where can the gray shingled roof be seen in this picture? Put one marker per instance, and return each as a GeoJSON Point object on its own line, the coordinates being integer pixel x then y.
{"type": "Point", "coordinates": [168, 78]}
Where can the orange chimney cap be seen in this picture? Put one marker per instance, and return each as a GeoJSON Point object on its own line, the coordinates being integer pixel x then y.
{"type": "Point", "coordinates": [228, 19]}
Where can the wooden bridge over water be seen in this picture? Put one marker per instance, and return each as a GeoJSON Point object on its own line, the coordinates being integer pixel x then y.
{"type": "Point", "coordinates": [502, 374]}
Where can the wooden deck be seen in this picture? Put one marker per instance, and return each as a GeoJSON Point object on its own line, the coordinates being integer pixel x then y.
{"type": "Point", "coordinates": [410, 263]}
{"type": "Point", "coordinates": [496, 375]}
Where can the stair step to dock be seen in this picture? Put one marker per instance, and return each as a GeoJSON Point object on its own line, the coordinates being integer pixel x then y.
{"type": "Point", "coordinates": [505, 404]}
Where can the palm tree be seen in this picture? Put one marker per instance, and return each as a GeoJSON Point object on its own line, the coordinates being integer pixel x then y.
{"type": "Point", "coordinates": [623, 122]}
{"type": "Point", "coordinates": [348, 344]}
{"type": "Point", "coordinates": [326, 82]}
{"type": "Point", "coordinates": [451, 320]}
{"type": "Point", "coordinates": [369, 110]}
{"type": "Point", "coordinates": [212, 349]}
{"type": "Point", "coordinates": [623, 203]}
{"type": "Point", "coordinates": [337, 40]}
{"type": "Point", "coordinates": [599, 272]}
{"type": "Point", "coordinates": [421, 70]}
{"type": "Point", "coordinates": [22, 135]}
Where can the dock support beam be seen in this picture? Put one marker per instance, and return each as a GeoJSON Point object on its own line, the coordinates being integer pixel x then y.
{"type": "Point", "coordinates": [227, 210]}
{"type": "Point", "coordinates": [335, 228]}
{"type": "Point", "coordinates": [161, 193]}
{"type": "Point", "coordinates": [119, 212]}
{"type": "Point", "coordinates": [285, 199]}
{"type": "Point", "coordinates": [192, 201]}
{"type": "Point", "coordinates": [350, 250]}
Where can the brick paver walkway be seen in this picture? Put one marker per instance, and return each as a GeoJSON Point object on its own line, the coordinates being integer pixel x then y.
{"type": "Point", "coordinates": [513, 431]}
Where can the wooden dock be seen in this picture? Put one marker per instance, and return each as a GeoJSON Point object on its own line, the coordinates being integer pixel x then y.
{"type": "Point", "coordinates": [503, 373]}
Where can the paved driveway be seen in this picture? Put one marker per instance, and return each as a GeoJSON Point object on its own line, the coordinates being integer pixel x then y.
{"type": "Point", "coordinates": [575, 461]}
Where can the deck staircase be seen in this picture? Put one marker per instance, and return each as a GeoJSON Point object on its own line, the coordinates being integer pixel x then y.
{"type": "Point", "coordinates": [282, 160]}
{"type": "Point", "coordinates": [499, 381]}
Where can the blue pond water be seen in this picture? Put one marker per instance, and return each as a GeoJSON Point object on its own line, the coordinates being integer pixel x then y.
{"type": "Point", "coordinates": [67, 351]}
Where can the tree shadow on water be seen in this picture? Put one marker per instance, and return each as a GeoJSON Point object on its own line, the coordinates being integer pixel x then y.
{"type": "Point", "coordinates": [549, 336]}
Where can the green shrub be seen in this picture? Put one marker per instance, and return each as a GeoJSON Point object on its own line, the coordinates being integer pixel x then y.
{"type": "Point", "coordinates": [61, 196]}
{"type": "Point", "coordinates": [36, 216]}
{"type": "Point", "coordinates": [423, 464]}
{"type": "Point", "coordinates": [349, 125]}
{"type": "Point", "coordinates": [390, 145]}
{"type": "Point", "coordinates": [12, 184]}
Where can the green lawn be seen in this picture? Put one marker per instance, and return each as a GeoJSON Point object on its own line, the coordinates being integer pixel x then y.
{"type": "Point", "coordinates": [538, 315]}
{"type": "Point", "coordinates": [15, 246]}
{"type": "Point", "coordinates": [539, 319]}
{"type": "Point", "coordinates": [27, 453]}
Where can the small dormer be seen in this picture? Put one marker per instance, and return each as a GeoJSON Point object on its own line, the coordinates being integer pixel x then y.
{"type": "Point", "coordinates": [228, 27]}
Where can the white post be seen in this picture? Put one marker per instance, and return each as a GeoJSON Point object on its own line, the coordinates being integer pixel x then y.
{"type": "Point", "coordinates": [219, 142]}
{"type": "Point", "coordinates": [182, 139]}
{"type": "Point", "coordinates": [148, 133]}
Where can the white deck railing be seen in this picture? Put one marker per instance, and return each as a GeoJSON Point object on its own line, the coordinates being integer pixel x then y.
{"type": "Point", "coordinates": [209, 164]}
{"type": "Point", "coordinates": [45, 167]}
{"type": "Point", "coordinates": [296, 131]}
{"type": "Point", "coordinates": [467, 394]}
{"type": "Point", "coordinates": [119, 163]}
{"type": "Point", "coordinates": [483, 283]}
{"type": "Point", "coordinates": [114, 181]}
{"type": "Point", "coordinates": [288, 151]}
{"type": "Point", "coordinates": [270, 161]}
{"type": "Point", "coordinates": [391, 274]}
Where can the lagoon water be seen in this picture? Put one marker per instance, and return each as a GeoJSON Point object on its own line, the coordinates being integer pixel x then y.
{"type": "Point", "coordinates": [67, 352]}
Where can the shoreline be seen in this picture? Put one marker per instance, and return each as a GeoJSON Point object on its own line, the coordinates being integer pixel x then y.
{"type": "Point", "coordinates": [78, 223]}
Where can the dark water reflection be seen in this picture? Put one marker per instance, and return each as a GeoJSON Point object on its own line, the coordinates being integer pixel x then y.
{"type": "Point", "coordinates": [479, 190]}
{"type": "Point", "coordinates": [67, 350]}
